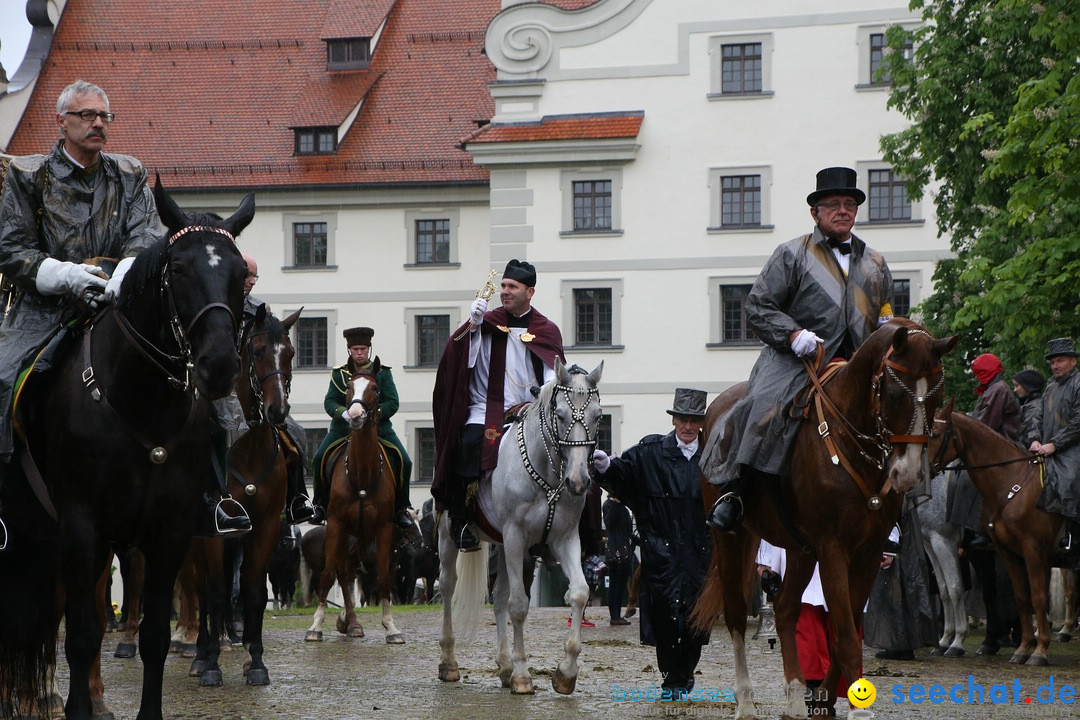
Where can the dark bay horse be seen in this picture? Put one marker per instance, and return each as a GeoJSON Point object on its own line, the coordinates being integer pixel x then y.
{"type": "Point", "coordinates": [1008, 480]}
{"type": "Point", "coordinates": [362, 506]}
{"type": "Point", "coordinates": [121, 437]}
{"type": "Point", "coordinates": [876, 409]}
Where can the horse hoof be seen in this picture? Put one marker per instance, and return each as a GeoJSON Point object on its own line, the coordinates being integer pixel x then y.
{"type": "Point", "coordinates": [124, 650]}
{"type": "Point", "coordinates": [175, 646]}
{"type": "Point", "coordinates": [523, 686]}
{"type": "Point", "coordinates": [198, 667]}
{"type": "Point", "coordinates": [955, 652]}
{"type": "Point", "coordinates": [1063, 637]}
{"type": "Point", "coordinates": [1039, 660]}
{"type": "Point", "coordinates": [189, 650]}
{"type": "Point", "coordinates": [986, 649]}
{"type": "Point", "coordinates": [258, 677]}
{"type": "Point", "coordinates": [504, 676]}
{"type": "Point", "coordinates": [449, 673]}
{"type": "Point", "coordinates": [395, 639]}
{"type": "Point", "coordinates": [53, 706]}
{"type": "Point", "coordinates": [341, 625]}
{"type": "Point", "coordinates": [313, 636]}
{"type": "Point", "coordinates": [356, 632]}
{"type": "Point", "coordinates": [1019, 658]}
{"type": "Point", "coordinates": [101, 711]}
{"type": "Point", "coordinates": [210, 678]}
{"type": "Point", "coordinates": [938, 650]}
{"type": "Point", "coordinates": [562, 684]}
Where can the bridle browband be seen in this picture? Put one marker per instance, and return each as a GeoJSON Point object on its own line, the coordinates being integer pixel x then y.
{"type": "Point", "coordinates": [882, 441]}
{"type": "Point", "coordinates": [550, 437]}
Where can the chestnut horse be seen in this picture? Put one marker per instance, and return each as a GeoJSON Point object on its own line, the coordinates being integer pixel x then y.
{"type": "Point", "coordinates": [861, 450]}
{"type": "Point", "coordinates": [1008, 478]}
{"type": "Point", "coordinates": [361, 505]}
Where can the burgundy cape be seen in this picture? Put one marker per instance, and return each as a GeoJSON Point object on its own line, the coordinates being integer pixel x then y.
{"type": "Point", "coordinates": [450, 399]}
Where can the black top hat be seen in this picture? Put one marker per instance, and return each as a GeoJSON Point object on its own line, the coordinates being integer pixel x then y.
{"type": "Point", "coordinates": [1060, 346]}
{"type": "Point", "coordinates": [521, 271]}
{"type": "Point", "coordinates": [836, 181]}
{"type": "Point", "coordinates": [688, 402]}
{"type": "Point", "coordinates": [358, 336]}
{"type": "Point", "coordinates": [1030, 380]}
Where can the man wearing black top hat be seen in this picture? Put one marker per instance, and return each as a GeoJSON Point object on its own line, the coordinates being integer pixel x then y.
{"type": "Point", "coordinates": [659, 480]}
{"type": "Point", "coordinates": [489, 365]}
{"type": "Point", "coordinates": [358, 343]}
{"type": "Point", "coordinates": [1057, 439]}
{"type": "Point", "coordinates": [824, 288]}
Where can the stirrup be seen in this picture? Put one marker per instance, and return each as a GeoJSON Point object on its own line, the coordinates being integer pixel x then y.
{"type": "Point", "coordinates": [244, 524]}
{"type": "Point", "coordinates": [465, 541]}
{"type": "Point", "coordinates": [728, 497]}
{"type": "Point", "coordinates": [299, 510]}
{"type": "Point", "coordinates": [3, 535]}
{"type": "Point", "coordinates": [1065, 544]}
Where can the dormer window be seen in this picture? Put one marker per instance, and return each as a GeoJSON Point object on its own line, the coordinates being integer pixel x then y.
{"type": "Point", "coordinates": [348, 53]}
{"type": "Point", "coordinates": [316, 141]}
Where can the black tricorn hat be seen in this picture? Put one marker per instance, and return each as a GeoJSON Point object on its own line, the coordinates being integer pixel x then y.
{"type": "Point", "coordinates": [688, 402]}
{"type": "Point", "coordinates": [358, 336]}
{"type": "Point", "coordinates": [836, 181]}
{"type": "Point", "coordinates": [1060, 346]}
{"type": "Point", "coordinates": [521, 271]}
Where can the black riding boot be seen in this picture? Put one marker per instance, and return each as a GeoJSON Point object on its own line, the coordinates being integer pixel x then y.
{"type": "Point", "coordinates": [727, 511]}
{"type": "Point", "coordinates": [222, 517]}
{"type": "Point", "coordinates": [460, 519]}
{"type": "Point", "coordinates": [402, 505]}
{"type": "Point", "coordinates": [298, 507]}
{"type": "Point", "coordinates": [3, 527]}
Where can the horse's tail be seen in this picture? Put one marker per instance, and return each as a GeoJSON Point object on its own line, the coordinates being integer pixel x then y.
{"type": "Point", "coordinates": [32, 600]}
{"type": "Point", "coordinates": [710, 602]}
{"type": "Point", "coordinates": [469, 595]}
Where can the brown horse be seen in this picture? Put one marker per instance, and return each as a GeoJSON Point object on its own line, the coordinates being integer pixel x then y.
{"type": "Point", "coordinates": [1008, 479]}
{"type": "Point", "coordinates": [361, 505]}
{"type": "Point", "coordinates": [873, 411]}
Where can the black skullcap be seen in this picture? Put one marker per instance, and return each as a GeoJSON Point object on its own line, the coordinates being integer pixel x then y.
{"type": "Point", "coordinates": [521, 271]}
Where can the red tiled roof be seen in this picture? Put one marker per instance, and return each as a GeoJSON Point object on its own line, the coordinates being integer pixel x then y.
{"type": "Point", "coordinates": [354, 18]}
{"type": "Point", "coordinates": [593, 126]}
{"type": "Point", "coordinates": [207, 91]}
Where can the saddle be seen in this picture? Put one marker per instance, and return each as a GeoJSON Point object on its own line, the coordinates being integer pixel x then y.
{"type": "Point", "coordinates": [390, 454]}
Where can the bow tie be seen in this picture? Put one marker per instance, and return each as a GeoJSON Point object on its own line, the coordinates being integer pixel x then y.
{"type": "Point", "coordinates": [843, 247]}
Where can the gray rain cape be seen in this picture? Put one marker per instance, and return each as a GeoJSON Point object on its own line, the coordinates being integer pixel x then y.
{"type": "Point", "coordinates": [1060, 424]}
{"type": "Point", "coordinates": [801, 287]}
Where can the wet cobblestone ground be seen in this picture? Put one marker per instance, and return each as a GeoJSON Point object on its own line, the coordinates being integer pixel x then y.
{"type": "Point", "coordinates": [365, 678]}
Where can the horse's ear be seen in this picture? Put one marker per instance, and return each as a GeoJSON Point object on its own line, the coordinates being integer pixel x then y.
{"type": "Point", "coordinates": [594, 376]}
{"type": "Point", "coordinates": [945, 345]}
{"type": "Point", "coordinates": [561, 373]}
{"type": "Point", "coordinates": [170, 213]}
{"type": "Point", "coordinates": [260, 314]}
{"type": "Point", "coordinates": [291, 320]}
{"type": "Point", "coordinates": [947, 409]}
{"type": "Point", "coordinates": [240, 219]}
{"type": "Point", "coordinates": [899, 339]}
{"type": "Point", "coordinates": [376, 366]}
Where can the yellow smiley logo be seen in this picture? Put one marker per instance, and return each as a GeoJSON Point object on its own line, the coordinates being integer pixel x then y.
{"type": "Point", "coordinates": [862, 693]}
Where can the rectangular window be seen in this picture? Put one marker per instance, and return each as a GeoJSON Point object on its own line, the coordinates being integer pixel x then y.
{"type": "Point", "coordinates": [432, 241]}
{"type": "Point", "coordinates": [592, 311]}
{"type": "Point", "coordinates": [309, 243]}
{"type": "Point", "coordinates": [733, 314]}
{"type": "Point", "coordinates": [879, 48]}
{"type": "Point", "coordinates": [313, 438]}
{"type": "Point", "coordinates": [740, 200]}
{"type": "Point", "coordinates": [316, 141]}
{"type": "Point", "coordinates": [603, 436]}
{"type": "Point", "coordinates": [740, 68]}
{"type": "Point", "coordinates": [424, 455]}
{"type": "Point", "coordinates": [432, 332]}
{"type": "Point", "coordinates": [592, 205]}
{"type": "Point", "coordinates": [888, 197]}
{"type": "Point", "coordinates": [901, 297]}
{"type": "Point", "coordinates": [348, 54]}
{"type": "Point", "coordinates": [311, 346]}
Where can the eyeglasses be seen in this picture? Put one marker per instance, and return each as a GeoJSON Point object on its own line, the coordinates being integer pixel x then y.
{"type": "Point", "coordinates": [253, 276]}
{"type": "Point", "coordinates": [89, 115]}
{"type": "Point", "coordinates": [834, 205]}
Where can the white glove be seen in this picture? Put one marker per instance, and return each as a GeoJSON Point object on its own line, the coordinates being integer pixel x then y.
{"type": "Point", "coordinates": [476, 312]}
{"type": "Point", "coordinates": [601, 461]}
{"type": "Point", "coordinates": [805, 343]}
{"type": "Point", "coordinates": [112, 289]}
{"type": "Point", "coordinates": [345, 415]}
{"type": "Point", "coordinates": [55, 277]}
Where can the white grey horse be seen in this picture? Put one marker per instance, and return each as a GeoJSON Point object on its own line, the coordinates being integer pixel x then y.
{"type": "Point", "coordinates": [941, 540]}
{"type": "Point", "coordinates": [535, 495]}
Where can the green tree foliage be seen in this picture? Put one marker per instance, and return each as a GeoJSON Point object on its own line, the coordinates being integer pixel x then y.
{"type": "Point", "coordinates": [993, 92]}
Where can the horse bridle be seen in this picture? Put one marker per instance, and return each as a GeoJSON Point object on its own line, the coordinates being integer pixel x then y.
{"type": "Point", "coordinates": [882, 441]}
{"type": "Point", "coordinates": [257, 381]}
{"type": "Point", "coordinates": [547, 433]}
{"type": "Point", "coordinates": [370, 417]}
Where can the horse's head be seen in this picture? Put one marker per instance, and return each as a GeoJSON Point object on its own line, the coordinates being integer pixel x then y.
{"type": "Point", "coordinates": [362, 397]}
{"type": "Point", "coordinates": [944, 445]}
{"type": "Point", "coordinates": [267, 355]}
{"type": "Point", "coordinates": [203, 289]}
{"type": "Point", "coordinates": [572, 403]}
{"type": "Point", "coordinates": [908, 386]}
